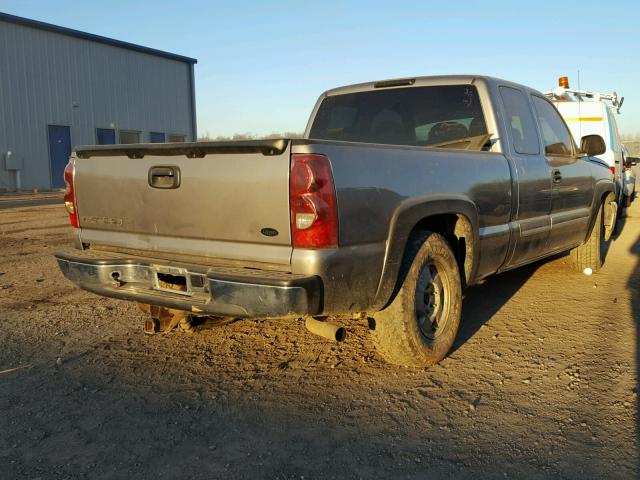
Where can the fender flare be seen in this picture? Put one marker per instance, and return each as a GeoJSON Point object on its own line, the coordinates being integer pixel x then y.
{"type": "Point", "coordinates": [407, 216]}
{"type": "Point", "coordinates": [600, 190]}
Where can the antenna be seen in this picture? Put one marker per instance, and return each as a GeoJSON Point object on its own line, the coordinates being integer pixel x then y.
{"type": "Point", "coordinates": [579, 111]}
{"type": "Point", "coordinates": [579, 79]}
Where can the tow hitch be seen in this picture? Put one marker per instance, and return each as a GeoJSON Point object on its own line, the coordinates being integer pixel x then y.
{"type": "Point", "coordinates": [163, 319]}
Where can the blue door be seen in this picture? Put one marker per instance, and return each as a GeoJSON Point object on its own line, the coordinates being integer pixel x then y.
{"type": "Point", "coordinates": [59, 152]}
{"type": "Point", "coordinates": [106, 136]}
{"type": "Point", "coordinates": [156, 137]}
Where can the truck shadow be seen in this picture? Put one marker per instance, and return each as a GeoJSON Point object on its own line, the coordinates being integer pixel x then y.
{"type": "Point", "coordinates": [633, 285]}
{"type": "Point", "coordinates": [622, 220]}
{"type": "Point", "coordinates": [481, 302]}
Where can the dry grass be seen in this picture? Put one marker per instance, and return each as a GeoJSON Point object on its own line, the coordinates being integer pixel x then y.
{"type": "Point", "coordinates": [247, 136]}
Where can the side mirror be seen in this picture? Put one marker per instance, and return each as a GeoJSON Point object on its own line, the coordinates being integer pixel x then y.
{"type": "Point", "coordinates": [631, 161]}
{"type": "Point", "coordinates": [593, 145]}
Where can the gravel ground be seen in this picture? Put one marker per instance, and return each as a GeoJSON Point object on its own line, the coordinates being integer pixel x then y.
{"type": "Point", "coordinates": [542, 382]}
{"type": "Point", "coordinates": [30, 199]}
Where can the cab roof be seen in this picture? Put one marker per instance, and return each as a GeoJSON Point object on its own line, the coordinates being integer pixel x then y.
{"type": "Point", "coordinates": [426, 81]}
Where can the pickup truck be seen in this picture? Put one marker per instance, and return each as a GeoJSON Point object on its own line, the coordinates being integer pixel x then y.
{"type": "Point", "coordinates": [401, 194]}
{"type": "Point", "coordinates": [588, 112]}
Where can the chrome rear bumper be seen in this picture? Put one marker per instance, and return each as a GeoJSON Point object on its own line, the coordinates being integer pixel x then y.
{"type": "Point", "coordinates": [224, 291]}
{"type": "Point", "coordinates": [629, 187]}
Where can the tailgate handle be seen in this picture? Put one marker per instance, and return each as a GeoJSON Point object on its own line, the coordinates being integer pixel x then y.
{"type": "Point", "coordinates": [164, 177]}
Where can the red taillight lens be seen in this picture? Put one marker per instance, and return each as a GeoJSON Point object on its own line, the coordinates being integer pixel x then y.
{"type": "Point", "coordinates": [312, 197]}
{"type": "Point", "coordinates": [613, 170]}
{"type": "Point", "coordinates": [70, 193]}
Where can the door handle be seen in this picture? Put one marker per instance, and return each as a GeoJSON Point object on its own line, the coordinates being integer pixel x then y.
{"type": "Point", "coordinates": [164, 177]}
{"type": "Point", "coordinates": [557, 176]}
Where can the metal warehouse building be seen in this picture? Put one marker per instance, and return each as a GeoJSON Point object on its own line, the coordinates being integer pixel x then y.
{"type": "Point", "coordinates": [62, 87]}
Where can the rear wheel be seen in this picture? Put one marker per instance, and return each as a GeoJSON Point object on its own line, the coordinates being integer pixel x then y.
{"type": "Point", "coordinates": [419, 327]}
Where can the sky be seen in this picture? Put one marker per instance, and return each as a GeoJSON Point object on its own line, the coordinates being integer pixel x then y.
{"type": "Point", "coordinates": [262, 65]}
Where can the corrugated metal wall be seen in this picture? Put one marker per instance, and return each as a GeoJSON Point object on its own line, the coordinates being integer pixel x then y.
{"type": "Point", "coordinates": [48, 78]}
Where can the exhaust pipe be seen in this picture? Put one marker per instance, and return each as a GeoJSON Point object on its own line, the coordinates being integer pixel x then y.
{"type": "Point", "coordinates": [325, 329]}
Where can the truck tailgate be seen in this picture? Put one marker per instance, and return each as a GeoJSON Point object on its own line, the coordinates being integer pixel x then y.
{"type": "Point", "coordinates": [231, 201]}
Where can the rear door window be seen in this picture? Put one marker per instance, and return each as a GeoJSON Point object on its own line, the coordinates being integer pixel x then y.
{"type": "Point", "coordinates": [555, 134]}
{"type": "Point", "coordinates": [448, 116]}
{"type": "Point", "coordinates": [520, 121]}
{"type": "Point", "coordinates": [613, 130]}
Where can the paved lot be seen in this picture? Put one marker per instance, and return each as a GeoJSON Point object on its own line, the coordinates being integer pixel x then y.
{"type": "Point", "coordinates": [542, 383]}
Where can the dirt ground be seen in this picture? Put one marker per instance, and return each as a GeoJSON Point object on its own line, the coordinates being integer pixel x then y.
{"type": "Point", "coordinates": [542, 382]}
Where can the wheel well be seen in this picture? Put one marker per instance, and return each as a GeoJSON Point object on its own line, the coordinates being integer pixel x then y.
{"type": "Point", "coordinates": [606, 195]}
{"type": "Point", "coordinates": [458, 232]}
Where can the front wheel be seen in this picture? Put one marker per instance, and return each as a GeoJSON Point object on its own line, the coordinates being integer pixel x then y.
{"type": "Point", "coordinates": [420, 325]}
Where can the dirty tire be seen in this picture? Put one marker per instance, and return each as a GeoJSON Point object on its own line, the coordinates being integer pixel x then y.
{"type": "Point", "coordinates": [590, 254]}
{"type": "Point", "coordinates": [396, 330]}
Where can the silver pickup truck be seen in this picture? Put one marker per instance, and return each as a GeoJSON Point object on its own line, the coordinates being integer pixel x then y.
{"type": "Point", "coordinates": [400, 195]}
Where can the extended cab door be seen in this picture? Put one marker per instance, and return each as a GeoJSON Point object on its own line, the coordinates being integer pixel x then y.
{"type": "Point", "coordinates": [531, 223]}
{"type": "Point", "coordinates": [570, 176]}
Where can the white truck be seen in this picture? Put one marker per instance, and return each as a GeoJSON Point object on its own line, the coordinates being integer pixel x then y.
{"type": "Point", "coordinates": [589, 113]}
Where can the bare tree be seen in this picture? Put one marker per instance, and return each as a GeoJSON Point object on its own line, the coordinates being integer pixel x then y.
{"type": "Point", "coordinates": [630, 137]}
{"type": "Point", "coordinates": [207, 137]}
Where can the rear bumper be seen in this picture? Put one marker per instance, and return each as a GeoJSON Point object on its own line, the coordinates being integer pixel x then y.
{"type": "Point", "coordinates": [224, 291]}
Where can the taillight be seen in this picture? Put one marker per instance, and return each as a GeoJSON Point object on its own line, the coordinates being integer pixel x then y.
{"type": "Point", "coordinates": [613, 171]}
{"type": "Point", "coordinates": [70, 193]}
{"type": "Point", "coordinates": [312, 197]}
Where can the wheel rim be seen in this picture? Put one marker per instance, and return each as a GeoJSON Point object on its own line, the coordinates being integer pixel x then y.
{"type": "Point", "coordinates": [431, 301]}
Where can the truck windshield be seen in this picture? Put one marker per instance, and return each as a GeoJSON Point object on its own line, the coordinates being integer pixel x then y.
{"type": "Point", "coordinates": [440, 116]}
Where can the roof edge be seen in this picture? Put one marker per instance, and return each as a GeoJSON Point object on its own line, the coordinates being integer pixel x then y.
{"type": "Point", "coordinates": [27, 22]}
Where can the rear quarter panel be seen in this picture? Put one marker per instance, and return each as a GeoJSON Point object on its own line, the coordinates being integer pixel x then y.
{"type": "Point", "coordinates": [380, 188]}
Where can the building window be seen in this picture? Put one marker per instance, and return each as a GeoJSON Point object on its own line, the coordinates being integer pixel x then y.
{"type": "Point", "coordinates": [173, 138]}
{"type": "Point", "coordinates": [129, 136]}
{"type": "Point", "coordinates": [156, 137]}
{"type": "Point", "coordinates": [105, 136]}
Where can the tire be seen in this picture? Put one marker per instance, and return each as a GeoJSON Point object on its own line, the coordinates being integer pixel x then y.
{"type": "Point", "coordinates": [403, 333]}
{"type": "Point", "coordinates": [627, 200]}
{"type": "Point", "coordinates": [590, 254]}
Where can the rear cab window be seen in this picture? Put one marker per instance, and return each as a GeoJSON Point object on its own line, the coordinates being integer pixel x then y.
{"type": "Point", "coordinates": [447, 116]}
